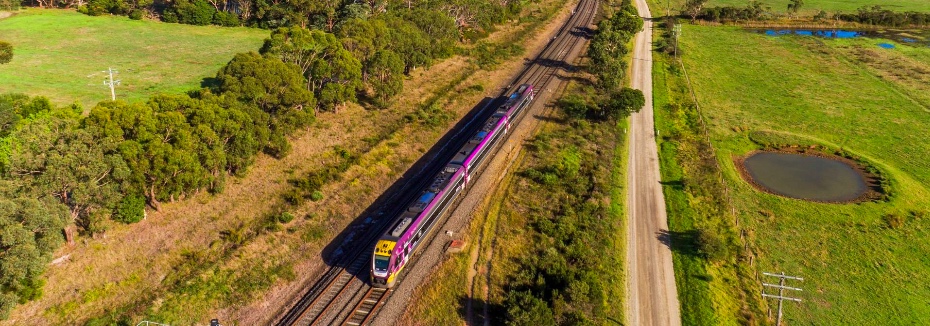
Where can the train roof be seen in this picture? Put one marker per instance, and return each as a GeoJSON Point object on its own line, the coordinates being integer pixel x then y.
{"type": "Point", "coordinates": [512, 100]}
{"type": "Point", "coordinates": [473, 143]}
{"type": "Point", "coordinates": [415, 211]}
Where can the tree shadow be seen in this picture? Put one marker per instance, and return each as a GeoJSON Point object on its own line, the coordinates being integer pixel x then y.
{"type": "Point", "coordinates": [580, 80]}
{"type": "Point", "coordinates": [584, 32]}
{"type": "Point", "coordinates": [681, 242]}
{"type": "Point", "coordinates": [209, 82]}
{"type": "Point", "coordinates": [495, 316]}
{"type": "Point", "coordinates": [550, 63]}
{"type": "Point", "coordinates": [548, 119]}
{"type": "Point", "coordinates": [675, 184]}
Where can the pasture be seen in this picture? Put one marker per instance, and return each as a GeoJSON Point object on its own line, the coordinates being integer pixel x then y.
{"type": "Point", "coordinates": [810, 7]}
{"type": "Point", "coordinates": [60, 54]}
{"type": "Point", "coordinates": [863, 263]}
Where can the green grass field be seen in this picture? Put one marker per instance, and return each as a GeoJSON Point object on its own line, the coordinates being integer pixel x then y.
{"type": "Point", "coordinates": [810, 6]}
{"type": "Point", "coordinates": [60, 54]}
{"type": "Point", "coordinates": [842, 94]}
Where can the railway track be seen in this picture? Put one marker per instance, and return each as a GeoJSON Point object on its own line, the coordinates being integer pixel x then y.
{"type": "Point", "coordinates": [363, 311]}
{"type": "Point", "coordinates": [342, 284]}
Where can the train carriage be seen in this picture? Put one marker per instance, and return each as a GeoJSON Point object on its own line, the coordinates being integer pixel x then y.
{"type": "Point", "coordinates": [394, 248]}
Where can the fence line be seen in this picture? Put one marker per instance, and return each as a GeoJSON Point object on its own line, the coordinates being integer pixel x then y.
{"type": "Point", "coordinates": [726, 188]}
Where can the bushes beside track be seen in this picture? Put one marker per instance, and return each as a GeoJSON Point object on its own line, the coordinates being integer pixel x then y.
{"type": "Point", "coordinates": [564, 274]}
{"type": "Point", "coordinates": [609, 52]}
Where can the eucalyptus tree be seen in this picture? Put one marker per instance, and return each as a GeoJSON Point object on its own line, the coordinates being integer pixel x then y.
{"type": "Point", "coordinates": [31, 231]}
{"type": "Point", "coordinates": [333, 74]}
{"type": "Point", "coordinates": [52, 157]}
{"type": "Point", "coordinates": [386, 76]}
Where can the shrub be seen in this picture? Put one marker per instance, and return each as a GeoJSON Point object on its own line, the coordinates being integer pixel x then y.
{"type": "Point", "coordinates": [30, 289]}
{"type": "Point", "coordinates": [227, 19]}
{"type": "Point", "coordinates": [285, 217]}
{"type": "Point", "coordinates": [293, 196]}
{"type": "Point", "coordinates": [893, 221]}
{"type": "Point", "coordinates": [316, 196]}
{"type": "Point", "coordinates": [712, 245]}
{"type": "Point", "coordinates": [6, 52]}
{"type": "Point", "coordinates": [136, 14]}
{"type": "Point", "coordinates": [526, 309]}
{"type": "Point", "coordinates": [574, 106]}
{"type": "Point", "coordinates": [101, 7]}
{"type": "Point", "coordinates": [130, 210]}
{"type": "Point", "coordinates": [196, 12]}
{"type": "Point", "coordinates": [10, 5]}
{"type": "Point", "coordinates": [476, 88]}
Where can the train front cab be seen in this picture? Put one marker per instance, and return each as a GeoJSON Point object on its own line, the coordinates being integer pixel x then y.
{"type": "Point", "coordinates": [382, 264]}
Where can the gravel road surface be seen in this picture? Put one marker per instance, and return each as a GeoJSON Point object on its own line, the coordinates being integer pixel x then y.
{"type": "Point", "coordinates": [653, 298]}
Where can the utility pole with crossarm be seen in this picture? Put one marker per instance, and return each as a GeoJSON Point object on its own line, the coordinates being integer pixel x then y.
{"type": "Point", "coordinates": [112, 83]}
{"type": "Point", "coordinates": [781, 291]}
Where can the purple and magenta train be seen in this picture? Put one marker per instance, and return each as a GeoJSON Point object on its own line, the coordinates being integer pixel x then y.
{"type": "Point", "coordinates": [393, 250]}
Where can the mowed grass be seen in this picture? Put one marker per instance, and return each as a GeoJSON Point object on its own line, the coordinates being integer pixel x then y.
{"type": "Point", "coordinates": [810, 6]}
{"type": "Point", "coordinates": [60, 54]}
{"type": "Point", "coordinates": [858, 270]}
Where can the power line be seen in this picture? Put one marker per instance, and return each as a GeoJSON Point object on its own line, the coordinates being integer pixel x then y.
{"type": "Point", "coordinates": [781, 291]}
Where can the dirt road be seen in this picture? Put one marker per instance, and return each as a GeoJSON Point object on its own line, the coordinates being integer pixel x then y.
{"type": "Point", "coordinates": [652, 296]}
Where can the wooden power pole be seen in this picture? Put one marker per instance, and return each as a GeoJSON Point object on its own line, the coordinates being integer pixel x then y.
{"type": "Point", "coordinates": [781, 291]}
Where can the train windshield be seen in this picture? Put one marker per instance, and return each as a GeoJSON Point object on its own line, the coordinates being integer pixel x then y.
{"type": "Point", "coordinates": [381, 263]}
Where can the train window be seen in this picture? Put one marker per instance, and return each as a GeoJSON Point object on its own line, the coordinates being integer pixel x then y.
{"type": "Point", "coordinates": [381, 263]}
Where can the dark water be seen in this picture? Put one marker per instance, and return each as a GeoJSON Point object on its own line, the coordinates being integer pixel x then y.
{"type": "Point", "coordinates": [833, 33]}
{"type": "Point", "coordinates": [805, 177]}
{"type": "Point", "coordinates": [902, 36]}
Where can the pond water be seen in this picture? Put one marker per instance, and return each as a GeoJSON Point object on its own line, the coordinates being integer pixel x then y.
{"type": "Point", "coordinates": [833, 33]}
{"type": "Point", "coordinates": [805, 177]}
{"type": "Point", "coordinates": [913, 38]}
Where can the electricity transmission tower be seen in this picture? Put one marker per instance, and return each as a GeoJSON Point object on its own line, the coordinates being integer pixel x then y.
{"type": "Point", "coordinates": [677, 32]}
{"type": "Point", "coordinates": [781, 291]}
{"type": "Point", "coordinates": [111, 82]}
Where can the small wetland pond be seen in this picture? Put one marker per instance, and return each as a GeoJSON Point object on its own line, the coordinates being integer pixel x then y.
{"type": "Point", "coordinates": [805, 177]}
{"type": "Point", "coordinates": [910, 37]}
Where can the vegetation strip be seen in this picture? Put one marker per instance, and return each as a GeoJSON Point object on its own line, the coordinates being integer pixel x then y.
{"type": "Point", "coordinates": [713, 271]}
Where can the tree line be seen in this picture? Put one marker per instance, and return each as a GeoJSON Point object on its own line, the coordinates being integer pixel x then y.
{"type": "Point", "coordinates": [471, 17]}
{"type": "Point", "coordinates": [608, 62]}
{"type": "Point", "coordinates": [754, 11]}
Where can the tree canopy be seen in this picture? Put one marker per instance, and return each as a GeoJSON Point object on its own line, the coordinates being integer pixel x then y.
{"type": "Point", "coordinates": [333, 73]}
{"type": "Point", "coordinates": [386, 76]}
{"type": "Point", "coordinates": [30, 230]}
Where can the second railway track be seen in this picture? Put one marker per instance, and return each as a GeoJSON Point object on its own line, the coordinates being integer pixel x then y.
{"type": "Point", "coordinates": [343, 283]}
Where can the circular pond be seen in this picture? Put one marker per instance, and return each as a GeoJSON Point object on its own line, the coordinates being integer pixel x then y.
{"type": "Point", "coordinates": [805, 177]}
